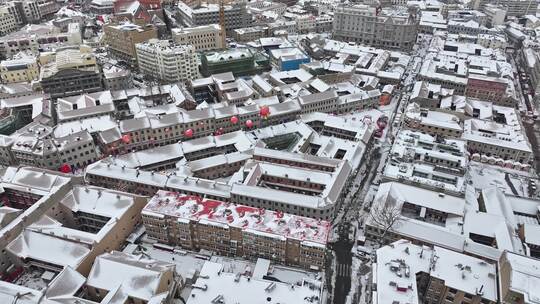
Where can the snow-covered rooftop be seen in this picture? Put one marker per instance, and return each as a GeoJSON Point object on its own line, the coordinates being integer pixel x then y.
{"type": "Point", "coordinates": [400, 262]}
{"type": "Point", "coordinates": [424, 159]}
{"type": "Point", "coordinates": [274, 223]}
{"type": "Point", "coordinates": [524, 277]}
{"type": "Point", "coordinates": [137, 276]}
{"type": "Point", "coordinates": [50, 249]}
{"type": "Point", "coordinates": [214, 283]}
{"type": "Point", "coordinates": [496, 134]}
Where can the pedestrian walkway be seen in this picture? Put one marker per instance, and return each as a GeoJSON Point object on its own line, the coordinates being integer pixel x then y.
{"type": "Point", "coordinates": [343, 270]}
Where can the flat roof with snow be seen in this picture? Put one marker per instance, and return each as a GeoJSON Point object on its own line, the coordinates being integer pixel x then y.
{"type": "Point", "coordinates": [214, 285]}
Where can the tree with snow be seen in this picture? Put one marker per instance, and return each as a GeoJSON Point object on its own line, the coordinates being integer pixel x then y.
{"type": "Point", "coordinates": [385, 216]}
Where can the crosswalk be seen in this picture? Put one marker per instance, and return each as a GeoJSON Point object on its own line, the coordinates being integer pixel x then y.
{"type": "Point", "coordinates": [343, 270]}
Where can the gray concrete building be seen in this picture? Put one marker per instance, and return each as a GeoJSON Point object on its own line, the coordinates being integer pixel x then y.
{"type": "Point", "coordinates": [71, 71]}
{"type": "Point", "coordinates": [513, 7]}
{"type": "Point", "coordinates": [236, 15]}
{"type": "Point", "coordinates": [393, 29]}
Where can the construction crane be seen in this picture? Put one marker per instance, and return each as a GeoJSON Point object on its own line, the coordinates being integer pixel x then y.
{"type": "Point", "coordinates": [222, 22]}
{"type": "Point", "coordinates": [221, 4]}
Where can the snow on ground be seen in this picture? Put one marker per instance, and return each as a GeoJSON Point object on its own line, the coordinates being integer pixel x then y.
{"type": "Point", "coordinates": [486, 176]}
{"type": "Point", "coordinates": [31, 278]}
{"type": "Point", "coordinates": [292, 275]}
{"type": "Point", "coordinates": [234, 265]}
{"type": "Point", "coordinates": [360, 276]}
{"type": "Point", "coordinates": [185, 263]}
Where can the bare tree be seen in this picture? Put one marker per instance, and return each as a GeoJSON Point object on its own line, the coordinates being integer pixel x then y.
{"type": "Point", "coordinates": [385, 216]}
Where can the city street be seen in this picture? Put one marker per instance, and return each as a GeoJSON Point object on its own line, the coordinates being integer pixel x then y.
{"type": "Point", "coordinates": [352, 211]}
{"type": "Point", "coordinates": [342, 249]}
{"type": "Point", "coordinates": [532, 127]}
{"type": "Point", "coordinates": [300, 152]}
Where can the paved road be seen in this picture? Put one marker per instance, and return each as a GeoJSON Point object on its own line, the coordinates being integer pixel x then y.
{"type": "Point", "coordinates": [353, 203]}
{"type": "Point", "coordinates": [532, 129]}
{"type": "Point", "coordinates": [342, 248]}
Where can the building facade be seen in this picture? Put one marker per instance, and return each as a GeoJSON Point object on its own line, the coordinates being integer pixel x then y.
{"type": "Point", "coordinates": [202, 38]}
{"type": "Point", "coordinates": [364, 24]}
{"type": "Point", "coordinates": [513, 8]}
{"type": "Point", "coordinates": [70, 71]}
{"type": "Point", "coordinates": [122, 38]}
{"type": "Point", "coordinates": [23, 69]}
{"type": "Point", "coordinates": [115, 79]}
{"type": "Point", "coordinates": [8, 23]}
{"type": "Point", "coordinates": [512, 266]}
{"type": "Point", "coordinates": [235, 230]}
{"type": "Point", "coordinates": [34, 37]}
{"type": "Point", "coordinates": [236, 15]}
{"type": "Point", "coordinates": [166, 61]}
{"type": "Point", "coordinates": [240, 62]}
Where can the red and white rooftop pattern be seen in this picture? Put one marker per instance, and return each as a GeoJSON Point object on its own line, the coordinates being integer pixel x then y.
{"type": "Point", "coordinates": [281, 224]}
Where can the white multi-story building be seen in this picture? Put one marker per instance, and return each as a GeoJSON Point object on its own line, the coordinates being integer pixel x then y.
{"type": "Point", "coordinates": [433, 218]}
{"type": "Point", "coordinates": [492, 41]}
{"type": "Point", "coordinates": [235, 13]}
{"type": "Point", "coordinates": [495, 14]}
{"type": "Point", "coordinates": [14, 11]}
{"type": "Point", "coordinates": [434, 123]}
{"type": "Point", "coordinates": [30, 9]}
{"type": "Point", "coordinates": [202, 38]}
{"type": "Point", "coordinates": [500, 141]}
{"type": "Point", "coordinates": [424, 160]}
{"type": "Point", "coordinates": [34, 145]}
{"type": "Point", "coordinates": [8, 22]}
{"type": "Point", "coordinates": [514, 8]}
{"type": "Point", "coordinates": [167, 61]}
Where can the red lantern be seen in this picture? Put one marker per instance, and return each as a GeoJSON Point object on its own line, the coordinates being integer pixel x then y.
{"type": "Point", "coordinates": [126, 139]}
{"type": "Point", "coordinates": [265, 111]}
{"type": "Point", "coordinates": [66, 168]}
{"type": "Point", "coordinates": [234, 120]}
{"type": "Point", "coordinates": [249, 123]}
{"type": "Point", "coordinates": [188, 133]}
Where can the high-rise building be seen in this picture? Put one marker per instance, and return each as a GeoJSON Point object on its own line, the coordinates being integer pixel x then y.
{"type": "Point", "coordinates": [169, 62]}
